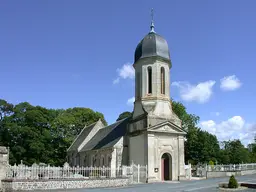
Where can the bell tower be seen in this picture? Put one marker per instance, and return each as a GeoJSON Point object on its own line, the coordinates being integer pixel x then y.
{"type": "Point", "coordinates": [152, 66]}
{"type": "Point", "coordinates": [154, 131]}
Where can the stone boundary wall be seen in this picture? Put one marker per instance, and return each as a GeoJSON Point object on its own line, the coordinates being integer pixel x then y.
{"type": "Point", "coordinates": [216, 174]}
{"type": "Point", "coordinates": [9, 185]}
{"type": "Point", "coordinates": [248, 172]}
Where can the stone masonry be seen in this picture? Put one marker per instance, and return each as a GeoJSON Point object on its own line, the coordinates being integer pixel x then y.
{"type": "Point", "coordinates": [32, 185]}
{"type": "Point", "coordinates": [4, 162]}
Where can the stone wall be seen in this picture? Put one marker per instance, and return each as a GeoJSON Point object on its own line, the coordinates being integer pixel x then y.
{"type": "Point", "coordinates": [4, 161]}
{"type": "Point", "coordinates": [216, 174]}
{"type": "Point", "coordinates": [32, 185]}
{"type": "Point", "coordinates": [248, 172]}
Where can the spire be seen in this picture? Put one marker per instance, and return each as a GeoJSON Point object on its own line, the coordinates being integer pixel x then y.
{"type": "Point", "coordinates": [152, 26]}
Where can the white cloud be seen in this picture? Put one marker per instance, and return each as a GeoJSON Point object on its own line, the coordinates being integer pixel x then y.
{"type": "Point", "coordinates": [130, 101]}
{"type": "Point", "coordinates": [116, 80]}
{"type": "Point", "coordinates": [126, 72]}
{"type": "Point", "coordinates": [230, 83]}
{"type": "Point", "coordinates": [200, 93]}
{"type": "Point", "coordinates": [233, 128]}
{"type": "Point", "coordinates": [215, 113]}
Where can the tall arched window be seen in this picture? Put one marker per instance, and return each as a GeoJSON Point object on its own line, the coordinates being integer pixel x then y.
{"type": "Point", "coordinates": [149, 80]}
{"type": "Point", "coordinates": [162, 81]}
{"type": "Point", "coordinates": [109, 161]}
{"type": "Point", "coordinates": [85, 160]}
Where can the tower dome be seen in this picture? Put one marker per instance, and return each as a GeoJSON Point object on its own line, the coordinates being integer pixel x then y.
{"type": "Point", "coordinates": [152, 45]}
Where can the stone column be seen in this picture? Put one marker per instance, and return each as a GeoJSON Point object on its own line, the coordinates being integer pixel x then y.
{"type": "Point", "coordinates": [113, 164]}
{"type": "Point", "coordinates": [181, 162]}
{"type": "Point", "coordinates": [151, 158]}
{"type": "Point", "coordinates": [4, 162]}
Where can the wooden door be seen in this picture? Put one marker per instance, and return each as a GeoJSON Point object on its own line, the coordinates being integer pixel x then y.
{"type": "Point", "coordinates": [162, 169]}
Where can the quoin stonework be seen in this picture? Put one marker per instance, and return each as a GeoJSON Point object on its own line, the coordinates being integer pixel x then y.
{"type": "Point", "coordinates": [152, 136]}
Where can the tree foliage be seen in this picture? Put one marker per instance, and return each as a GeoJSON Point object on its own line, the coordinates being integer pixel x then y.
{"type": "Point", "coordinates": [236, 152]}
{"type": "Point", "coordinates": [124, 115]}
{"type": "Point", "coordinates": [37, 134]}
{"type": "Point", "coordinates": [232, 182]}
{"type": "Point", "coordinates": [202, 146]}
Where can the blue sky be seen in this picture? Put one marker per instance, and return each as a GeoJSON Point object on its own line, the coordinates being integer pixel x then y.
{"type": "Point", "coordinates": [61, 54]}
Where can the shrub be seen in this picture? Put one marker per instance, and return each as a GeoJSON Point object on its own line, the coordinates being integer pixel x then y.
{"type": "Point", "coordinates": [211, 162]}
{"type": "Point", "coordinates": [232, 182]}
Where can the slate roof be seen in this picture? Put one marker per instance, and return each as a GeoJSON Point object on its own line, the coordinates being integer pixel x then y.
{"type": "Point", "coordinates": [79, 139]}
{"type": "Point", "coordinates": [152, 45]}
{"type": "Point", "coordinates": [108, 136]}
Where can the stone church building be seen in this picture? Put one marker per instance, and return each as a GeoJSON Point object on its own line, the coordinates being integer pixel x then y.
{"type": "Point", "coordinates": [152, 136]}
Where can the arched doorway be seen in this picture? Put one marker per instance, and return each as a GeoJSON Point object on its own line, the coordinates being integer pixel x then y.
{"type": "Point", "coordinates": [166, 167]}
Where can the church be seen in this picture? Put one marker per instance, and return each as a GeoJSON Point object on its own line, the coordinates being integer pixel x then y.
{"type": "Point", "coordinates": [152, 135]}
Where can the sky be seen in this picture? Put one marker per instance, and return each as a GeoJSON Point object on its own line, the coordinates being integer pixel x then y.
{"type": "Point", "coordinates": [62, 54]}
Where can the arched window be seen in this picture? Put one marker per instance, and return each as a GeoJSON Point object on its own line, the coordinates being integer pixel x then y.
{"type": "Point", "coordinates": [149, 80]}
{"type": "Point", "coordinates": [85, 163]}
{"type": "Point", "coordinates": [162, 81]}
{"type": "Point", "coordinates": [109, 161]}
{"type": "Point", "coordinates": [78, 159]}
{"type": "Point", "coordinates": [93, 161]}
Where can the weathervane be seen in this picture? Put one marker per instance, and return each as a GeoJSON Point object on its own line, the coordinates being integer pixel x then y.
{"type": "Point", "coordinates": [152, 27]}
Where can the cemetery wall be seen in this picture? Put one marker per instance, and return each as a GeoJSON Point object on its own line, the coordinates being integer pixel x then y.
{"type": "Point", "coordinates": [32, 185]}
{"type": "Point", "coordinates": [215, 174]}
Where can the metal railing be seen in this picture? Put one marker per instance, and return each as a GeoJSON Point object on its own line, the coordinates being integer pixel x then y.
{"type": "Point", "coordinates": [232, 167]}
{"type": "Point", "coordinates": [136, 173]}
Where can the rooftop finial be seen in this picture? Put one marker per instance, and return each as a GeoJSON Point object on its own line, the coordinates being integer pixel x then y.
{"type": "Point", "coordinates": [152, 27]}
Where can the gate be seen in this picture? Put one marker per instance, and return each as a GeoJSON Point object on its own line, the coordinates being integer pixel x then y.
{"type": "Point", "coordinates": [137, 173]}
{"type": "Point", "coordinates": [199, 170]}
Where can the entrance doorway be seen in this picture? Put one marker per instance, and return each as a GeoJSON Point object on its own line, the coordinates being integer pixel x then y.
{"type": "Point", "coordinates": [166, 168]}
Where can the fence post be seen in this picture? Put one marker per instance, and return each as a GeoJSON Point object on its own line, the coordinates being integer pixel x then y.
{"type": "Point", "coordinates": [190, 171]}
{"type": "Point", "coordinates": [132, 172]}
{"type": "Point", "coordinates": [147, 173]}
{"type": "Point", "coordinates": [138, 173]}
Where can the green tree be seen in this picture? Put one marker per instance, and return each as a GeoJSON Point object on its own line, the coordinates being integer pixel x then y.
{"type": "Point", "coordinates": [124, 115]}
{"type": "Point", "coordinates": [37, 134]}
{"type": "Point", "coordinates": [200, 146]}
{"type": "Point", "coordinates": [252, 149]}
{"type": "Point", "coordinates": [188, 120]}
{"type": "Point", "coordinates": [69, 124]}
{"type": "Point", "coordinates": [236, 151]}
{"type": "Point", "coordinates": [5, 108]}
{"type": "Point", "coordinates": [232, 182]}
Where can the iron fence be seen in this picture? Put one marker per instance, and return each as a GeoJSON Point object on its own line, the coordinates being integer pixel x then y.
{"type": "Point", "coordinates": [232, 167]}
{"type": "Point", "coordinates": [135, 173]}
{"type": "Point", "coordinates": [200, 170]}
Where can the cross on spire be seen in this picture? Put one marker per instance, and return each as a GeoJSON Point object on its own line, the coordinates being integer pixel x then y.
{"type": "Point", "coordinates": [152, 14]}
{"type": "Point", "coordinates": [152, 26]}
